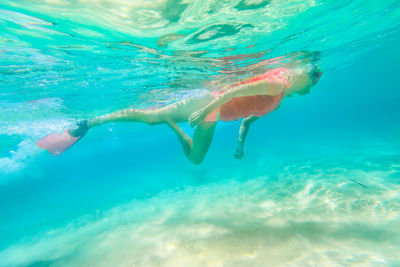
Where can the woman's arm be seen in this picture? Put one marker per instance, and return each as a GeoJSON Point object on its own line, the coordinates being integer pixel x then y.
{"type": "Point", "coordinates": [256, 88]}
{"type": "Point", "coordinates": [244, 129]}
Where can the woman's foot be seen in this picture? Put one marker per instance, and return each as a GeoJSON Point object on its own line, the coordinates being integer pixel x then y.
{"type": "Point", "coordinates": [80, 130]}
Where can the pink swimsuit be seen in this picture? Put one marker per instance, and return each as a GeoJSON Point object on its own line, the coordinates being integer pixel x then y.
{"type": "Point", "coordinates": [257, 105]}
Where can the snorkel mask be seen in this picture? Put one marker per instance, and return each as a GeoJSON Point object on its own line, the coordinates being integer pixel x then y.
{"type": "Point", "coordinates": [315, 75]}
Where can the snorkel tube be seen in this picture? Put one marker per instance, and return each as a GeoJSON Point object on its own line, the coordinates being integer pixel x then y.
{"type": "Point", "coordinates": [316, 73]}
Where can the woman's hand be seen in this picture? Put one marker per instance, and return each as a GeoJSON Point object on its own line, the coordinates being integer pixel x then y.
{"type": "Point", "coordinates": [197, 117]}
{"type": "Point", "coordinates": [239, 152]}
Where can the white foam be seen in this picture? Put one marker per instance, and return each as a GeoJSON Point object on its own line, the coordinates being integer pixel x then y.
{"type": "Point", "coordinates": [16, 161]}
{"type": "Point", "coordinates": [31, 131]}
{"type": "Point", "coordinates": [28, 120]}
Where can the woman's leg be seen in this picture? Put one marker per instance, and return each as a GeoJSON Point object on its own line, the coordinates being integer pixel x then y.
{"type": "Point", "coordinates": [195, 149]}
{"type": "Point", "coordinates": [130, 115]}
{"type": "Point", "coordinates": [177, 112]}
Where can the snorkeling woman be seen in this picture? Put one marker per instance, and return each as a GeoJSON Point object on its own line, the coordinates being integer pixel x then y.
{"type": "Point", "coordinates": [247, 100]}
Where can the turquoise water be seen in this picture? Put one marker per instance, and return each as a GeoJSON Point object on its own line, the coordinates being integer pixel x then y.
{"type": "Point", "coordinates": [318, 185]}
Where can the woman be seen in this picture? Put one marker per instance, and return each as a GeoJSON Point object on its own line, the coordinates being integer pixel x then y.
{"type": "Point", "coordinates": [249, 100]}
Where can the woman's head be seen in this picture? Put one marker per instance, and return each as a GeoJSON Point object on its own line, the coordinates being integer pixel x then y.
{"type": "Point", "coordinates": [305, 74]}
{"type": "Point", "coordinates": [315, 74]}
